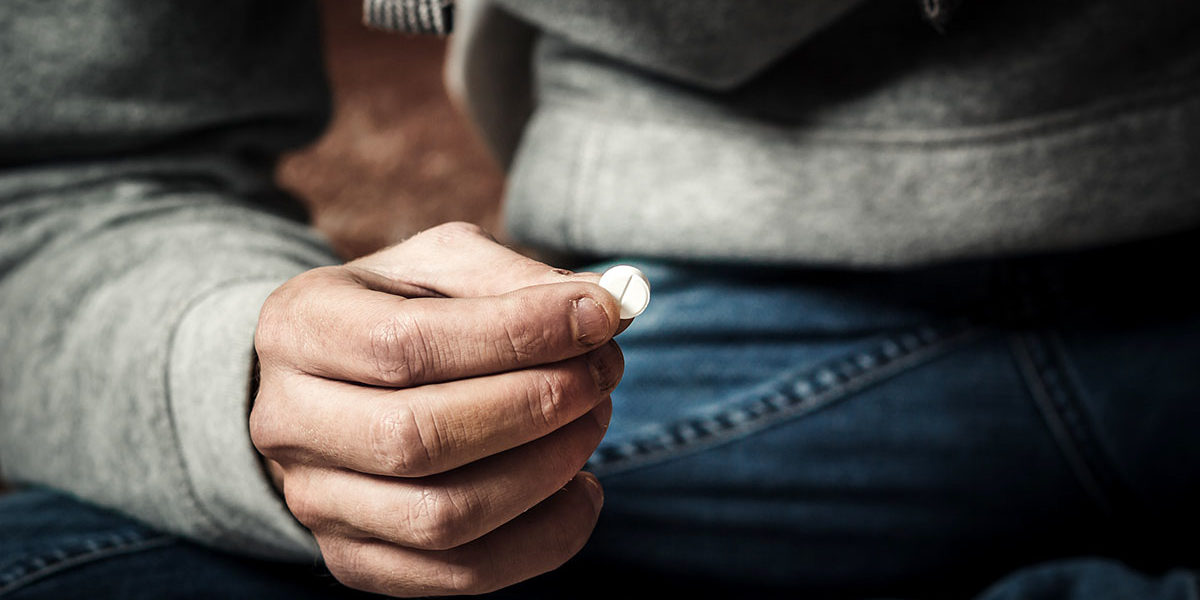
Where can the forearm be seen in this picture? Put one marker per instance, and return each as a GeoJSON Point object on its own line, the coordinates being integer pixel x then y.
{"type": "Point", "coordinates": [128, 311]}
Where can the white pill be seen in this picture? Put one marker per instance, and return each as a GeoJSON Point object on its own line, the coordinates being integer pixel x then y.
{"type": "Point", "coordinates": [630, 287]}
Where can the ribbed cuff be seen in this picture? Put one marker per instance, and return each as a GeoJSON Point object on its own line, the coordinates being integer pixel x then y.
{"type": "Point", "coordinates": [410, 16]}
{"type": "Point", "coordinates": [208, 378]}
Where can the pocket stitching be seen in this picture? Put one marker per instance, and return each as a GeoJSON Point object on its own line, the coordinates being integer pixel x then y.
{"type": "Point", "coordinates": [1062, 416]}
{"type": "Point", "coordinates": [93, 549]}
{"type": "Point", "coordinates": [790, 397]}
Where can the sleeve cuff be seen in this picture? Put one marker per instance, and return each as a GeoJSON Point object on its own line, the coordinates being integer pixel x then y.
{"type": "Point", "coordinates": [208, 377]}
{"type": "Point", "coordinates": [410, 16]}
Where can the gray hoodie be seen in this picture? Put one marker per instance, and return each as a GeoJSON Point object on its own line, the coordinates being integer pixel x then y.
{"type": "Point", "coordinates": [139, 232]}
{"type": "Point", "coordinates": [838, 132]}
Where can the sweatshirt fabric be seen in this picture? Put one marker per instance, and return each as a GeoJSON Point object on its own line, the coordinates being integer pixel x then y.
{"type": "Point", "coordinates": [841, 133]}
{"type": "Point", "coordinates": [140, 232]}
{"type": "Point", "coordinates": [139, 235]}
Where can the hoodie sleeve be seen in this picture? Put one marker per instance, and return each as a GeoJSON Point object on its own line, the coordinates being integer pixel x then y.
{"type": "Point", "coordinates": [127, 311]}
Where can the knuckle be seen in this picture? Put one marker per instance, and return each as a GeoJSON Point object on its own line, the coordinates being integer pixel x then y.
{"type": "Point", "coordinates": [262, 424]}
{"type": "Point", "coordinates": [305, 508]}
{"type": "Point", "coordinates": [269, 334]}
{"type": "Point", "coordinates": [267, 421]}
{"type": "Point", "coordinates": [401, 444]}
{"type": "Point", "coordinates": [400, 350]}
{"type": "Point", "coordinates": [523, 340]}
{"type": "Point", "coordinates": [316, 277]}
{"type": "Point", "coordinates": [438, 519]}
{"type": "Point", "coordinates": [548, 400]}
{"type": "Point", "coordinates": [272, 420]}
{"type": "Point", "coordinates": [284, 308]}
{"type": "Point", "coordinates": [470, 580]}
{"type": "Point", "coordinates": [345, 560]}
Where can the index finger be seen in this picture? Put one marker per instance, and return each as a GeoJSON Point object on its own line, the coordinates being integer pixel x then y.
{"type": "Point", "coordinates": [338, 330]}
{"type": "Point", "coordinates": [459, 260]}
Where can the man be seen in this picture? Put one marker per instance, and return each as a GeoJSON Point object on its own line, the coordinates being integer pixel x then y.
{"type": "Point", "coordinates": [884, 355]}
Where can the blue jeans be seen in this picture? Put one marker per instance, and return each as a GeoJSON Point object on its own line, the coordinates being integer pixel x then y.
{"type": "Point", "coordinates": [1003, 429]}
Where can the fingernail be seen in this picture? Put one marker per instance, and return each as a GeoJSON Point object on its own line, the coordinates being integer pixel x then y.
{"type": "Point", "coordinates": [590, 321]}
{"type": "Point", "coordinates": [594, 491]}
{"type": "Point", "coordinates": [603, 363]}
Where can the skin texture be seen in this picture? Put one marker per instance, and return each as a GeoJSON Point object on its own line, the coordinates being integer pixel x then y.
{"type": "Point", "coordinates": [426, 411]}
{"type": "Point", "coordinates": [348, 399]}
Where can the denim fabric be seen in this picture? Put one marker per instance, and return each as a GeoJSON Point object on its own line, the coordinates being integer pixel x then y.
{"type": "Point", "coordinates": [1083, 579]}
{"type": "Point", "coordinates": [1017, 429]}
{"type": "Point", "coordinates": [55, 547]}
{"type": "Point", "coordinates": [914, 432]}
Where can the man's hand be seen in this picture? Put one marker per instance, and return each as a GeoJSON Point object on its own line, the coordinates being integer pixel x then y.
{"type": "Point", "coordinates": [427, 409]}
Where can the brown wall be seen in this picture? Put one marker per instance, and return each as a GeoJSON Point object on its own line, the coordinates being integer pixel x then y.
{"type": "Point", "coordinates": [397, 157]}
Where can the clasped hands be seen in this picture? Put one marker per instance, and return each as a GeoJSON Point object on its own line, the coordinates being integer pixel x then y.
{"type": "Point", "coordinates": [426, 411]}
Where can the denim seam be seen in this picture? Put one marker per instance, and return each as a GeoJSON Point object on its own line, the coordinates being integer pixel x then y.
{"type": "Point", "coordinates": [63, 561]}
{"type": "Point", "coordinates": [791, 397]}
{"type": "Point", "coordinates": [1119, 491]}
{"type": "Point", "coordinates": [1057, 406]}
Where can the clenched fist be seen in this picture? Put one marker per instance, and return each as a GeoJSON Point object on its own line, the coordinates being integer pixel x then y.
{"type": "Point", "coordinates": [426, 411]}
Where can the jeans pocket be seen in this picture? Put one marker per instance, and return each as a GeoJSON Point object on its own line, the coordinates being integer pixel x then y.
{"type": "Point", "coordinates": [70, 551]}
{"type": "Point", "coordinates": [787, 397]}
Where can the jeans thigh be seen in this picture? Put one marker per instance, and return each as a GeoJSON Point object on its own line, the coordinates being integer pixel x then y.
{"type": "Point", "coordinates": [56, 547]}
{"type": "Point", "coordinates": [836, 436]}
{"type": "Point", "coordinates": [1115, 364]}
{"type": "Point", "coordinates": [1093, 579]}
